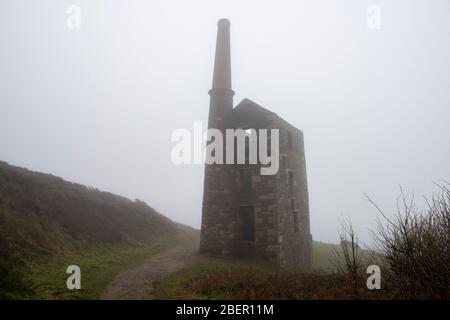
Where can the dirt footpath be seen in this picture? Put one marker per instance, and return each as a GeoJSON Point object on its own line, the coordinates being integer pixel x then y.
{"type": "Point", "coordinates": [138, 283]}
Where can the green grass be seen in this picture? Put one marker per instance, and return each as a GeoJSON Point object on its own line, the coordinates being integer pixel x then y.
{"type": "Point", "coordinates": [173, 286]}
{"type": "Point", "coordinates": [218, 278]}
{"type": "Point", "coordinates": [98, 268]}
{"type": "Point", "coordinates": [47, 224]}
{"type": "Point", "coordinates": [323, 259]}
{"type": "Point", "coordinates": [239, 283]}
{"type": "Point", "coordinates": [101, 264]}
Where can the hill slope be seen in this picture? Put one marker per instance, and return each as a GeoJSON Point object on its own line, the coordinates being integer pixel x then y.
{"type": "Point", "coordinates": [37, 210]}
{"type": "Point", "coordinates": [45, 220]}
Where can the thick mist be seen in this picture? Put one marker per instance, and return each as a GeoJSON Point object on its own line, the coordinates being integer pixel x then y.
{"type": "Point", "coordinates": [97, 105]}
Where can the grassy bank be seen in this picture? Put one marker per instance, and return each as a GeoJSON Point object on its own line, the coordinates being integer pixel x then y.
{"type": "Point", "coordinates": [98, 267]}
{"type": "Point", "coordinates": [218, 278]}
{"type": "Point", "coordinates": [47, 224]}
{"type": "Point", "coordinates": [177, 284]}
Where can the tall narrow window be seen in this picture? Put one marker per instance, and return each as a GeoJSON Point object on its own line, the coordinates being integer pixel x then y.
{"type": "Point", "coordinates": [247, 217]}
{"type": "Point", "coordinates": [295, 220]}
{"type": "Point", "coordinates": [294, 215]}
{"type": "Point", "coordinates": [245, 177]}
{"type": "Point", "coordinates": [291, 181]}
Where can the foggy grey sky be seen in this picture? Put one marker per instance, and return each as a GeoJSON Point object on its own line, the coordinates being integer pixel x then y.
{"type": "Point", "coordinates": [98, 105]}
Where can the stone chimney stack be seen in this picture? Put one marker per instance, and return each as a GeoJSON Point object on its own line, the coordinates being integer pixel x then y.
{"type": "Point", "coordinates": [219, 209]}
{"type": "Point", "coordinates": [222, 63]}
{"type": "Point", "coordinates": [221, 93]}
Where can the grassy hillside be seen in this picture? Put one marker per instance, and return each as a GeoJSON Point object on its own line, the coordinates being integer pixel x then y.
{"type": "Point", "coordinates": [323, 255]}
{"type": "Point", "coordinates": [47, 223]}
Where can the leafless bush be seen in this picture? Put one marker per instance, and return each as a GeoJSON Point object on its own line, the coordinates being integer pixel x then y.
{"type": "Point", "coordinates": [415, 246]}
{"type": "Point", "coordinates": [348, 258]}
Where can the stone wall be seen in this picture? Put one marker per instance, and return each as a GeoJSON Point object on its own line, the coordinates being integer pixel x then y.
{"type": "Point", "coordinates": [296, 245]}
{"type": "Point", "coordinates": [275, 236]}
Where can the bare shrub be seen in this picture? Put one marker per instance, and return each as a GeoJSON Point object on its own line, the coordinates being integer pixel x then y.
{"type": "Point", "coordinates": [348, 259]}
{"type": "Point", "coordinates": [415, 247]}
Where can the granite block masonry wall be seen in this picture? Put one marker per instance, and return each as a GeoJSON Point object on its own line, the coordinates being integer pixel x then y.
{"type": "Point", "coordinates": [295, 244]}
{"type": "Point", "coordinates": [271, 197]}
{"type": "Point", "coordinates": [219, 211]}
{"type": "Point", "coordinates": [262, 197]}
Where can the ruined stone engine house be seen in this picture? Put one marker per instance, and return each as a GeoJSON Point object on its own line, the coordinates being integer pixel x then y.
{"type": "Point", "coordinates": [246, 214]}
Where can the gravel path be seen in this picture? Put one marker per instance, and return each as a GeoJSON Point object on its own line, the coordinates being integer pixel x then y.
{"type": "Point", "coordinates": [138, 283]}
